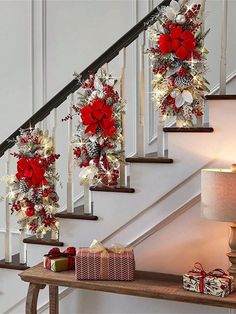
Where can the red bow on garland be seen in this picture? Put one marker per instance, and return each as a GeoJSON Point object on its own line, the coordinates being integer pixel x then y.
{"type": "Point", "coordinates": [179, 41]}
{"type": "Point", "coordinates": [98, 115]}
{"type": "Point", "coordinates": [31, 170]}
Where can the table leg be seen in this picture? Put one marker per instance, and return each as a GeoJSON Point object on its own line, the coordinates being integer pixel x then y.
{"type": "Point", "coordinates": [32, 298]}
{"type": "Point", "coordinates": [53, 299]}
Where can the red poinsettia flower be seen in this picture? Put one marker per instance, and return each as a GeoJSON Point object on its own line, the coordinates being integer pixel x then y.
{"type": "Point", "coordinates": [98, 115]}
{"type": "Point", "coordinates": [179, 41]}
{"type": "Point", "coordinates": [31, 170]}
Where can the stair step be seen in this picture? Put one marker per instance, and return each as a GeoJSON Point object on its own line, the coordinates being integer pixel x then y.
{"type": "Point", "coordinates": [15, 264]}
{"type": "Point", "coordinates": [77, 214]}
{"type": "Point", "coordinates": [45, 241]}
{"type": "Point", "coordinates": [117, 190]}
{"type": "Point", "coordinates": [149, 159]}
{"type": "Point", "coordinates": [221, 97]}
{"type": "Point", "coordinates": [202, 129]}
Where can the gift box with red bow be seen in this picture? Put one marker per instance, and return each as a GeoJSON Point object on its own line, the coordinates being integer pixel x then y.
{"type": "Point", "coordinates": [56, 260]}
{"type": "Point", "coordinates": [99, 263]}
{"type": "Point", "coordinates": [215, 282]}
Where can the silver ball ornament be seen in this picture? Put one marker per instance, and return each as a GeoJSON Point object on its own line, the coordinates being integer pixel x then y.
{"type": "Point", "coordinates": [180, 19]}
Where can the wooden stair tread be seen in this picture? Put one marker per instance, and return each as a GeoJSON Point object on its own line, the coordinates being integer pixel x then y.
{"type": "Point", "coordinates": [202, 129]}
{"type": "Point", "coordinates": [149, 158]}
{"type": "Point", "coordinates": [146, 284]}
{"type": "Point", "coordinates": [15, 264]}
{"type": "Point", "coordinates": [77, 214]}
{"type": "Point", "coordinates": [221, 97]}
{"type": "Point", "coordinates": [45, 241]}
{"type": "Point", "coordinates": [107, 189]}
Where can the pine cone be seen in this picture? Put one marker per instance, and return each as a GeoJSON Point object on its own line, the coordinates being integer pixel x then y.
{"type": "Point", "coordinates": [182, 82]}
{"type": "Point", "coordinates": [23, 186]}
{"type": "Point", "coordinates": [35, 196]}
{"type": "Point", "coordinates": [93, 149]}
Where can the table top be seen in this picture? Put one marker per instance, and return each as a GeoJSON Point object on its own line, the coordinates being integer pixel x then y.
{"type": "Point", "coordinates": [146, 284]}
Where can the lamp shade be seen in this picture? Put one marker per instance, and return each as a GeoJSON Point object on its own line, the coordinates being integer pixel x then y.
{"type": "Point", "coordinates": [218, 194]}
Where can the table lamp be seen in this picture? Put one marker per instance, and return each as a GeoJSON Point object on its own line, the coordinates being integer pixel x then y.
{"type": "Point", "coordinates": [218, 202]}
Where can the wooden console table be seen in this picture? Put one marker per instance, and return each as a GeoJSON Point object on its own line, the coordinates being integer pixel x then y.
{"type": "Point", "coordinates": [146, 284]}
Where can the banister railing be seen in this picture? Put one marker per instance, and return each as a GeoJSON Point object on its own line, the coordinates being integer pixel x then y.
{"type": "Point", "coordinates": [71, 87]}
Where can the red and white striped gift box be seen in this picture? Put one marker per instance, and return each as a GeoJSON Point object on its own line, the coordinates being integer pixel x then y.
{"type": "Point", "coordinates": [104, 266]}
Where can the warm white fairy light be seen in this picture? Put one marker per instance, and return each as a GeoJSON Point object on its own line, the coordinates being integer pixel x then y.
{"type": "Point", "coordinates": [12, 194]}
{"type": "Point", "coordinates": [188, 7]}
{"type": "Point", "coordinates": [158, 77]}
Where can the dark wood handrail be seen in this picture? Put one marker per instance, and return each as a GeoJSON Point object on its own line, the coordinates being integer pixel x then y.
{"type": "Point", "coordinates": [106, 57]}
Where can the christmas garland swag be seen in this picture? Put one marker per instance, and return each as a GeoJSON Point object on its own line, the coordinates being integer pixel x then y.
{"type": "Point", "coordinates": [178, 61]}
{"type": "Point", "coordinates": [32, 194]}
{"type": "Point", "coordinates": [98, 136]}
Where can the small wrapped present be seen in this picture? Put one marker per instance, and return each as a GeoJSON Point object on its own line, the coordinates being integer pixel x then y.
{"type": "Point", "coordinates": [99, 263]}
{"type": "Point", "coordinates": [216, 282]}
{"type": "Point", "coordinates": [56, 260]}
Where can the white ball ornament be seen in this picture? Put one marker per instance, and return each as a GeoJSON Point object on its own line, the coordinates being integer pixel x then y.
{"type": "Point", "coordinates": [94, 94]}
{"type": "Point", "coordinates": [180, 19]}
{"type": "Point", "coordinates": [176, 92]}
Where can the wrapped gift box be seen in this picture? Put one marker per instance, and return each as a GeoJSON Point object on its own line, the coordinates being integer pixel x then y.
{"type": "Point", "coordinates": [96, 263]}
{"type": "Point", "coordinates": [216, 282]}
{"type": "Point", "coordinates": [59, 261]}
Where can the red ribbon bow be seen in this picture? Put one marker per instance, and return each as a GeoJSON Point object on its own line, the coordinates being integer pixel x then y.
{"type": "Point", "coordinates": [31, 170]}
{"type": "Point", "coordinates": [98, 115]}
{"type": "Point", "coordinates": [55, 252]}
{"type": "Point", "coordinates": [217, 273]}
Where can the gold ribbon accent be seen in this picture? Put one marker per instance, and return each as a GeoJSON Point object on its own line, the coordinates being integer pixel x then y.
{"type": "Point", "coordinates": [98, 247]}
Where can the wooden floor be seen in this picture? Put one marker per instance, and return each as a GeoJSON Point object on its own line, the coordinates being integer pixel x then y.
{"type": "Point", "coordinates": [146, 284]}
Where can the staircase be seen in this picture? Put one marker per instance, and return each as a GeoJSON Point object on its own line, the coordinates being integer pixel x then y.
{"type": "Point", "coordinates": [140, 211]}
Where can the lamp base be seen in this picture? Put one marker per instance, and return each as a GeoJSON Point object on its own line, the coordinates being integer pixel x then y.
{"type": "Point", "coordinates": [232, 255]}
{"type": "Point", "coordinates": [232, 269]}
